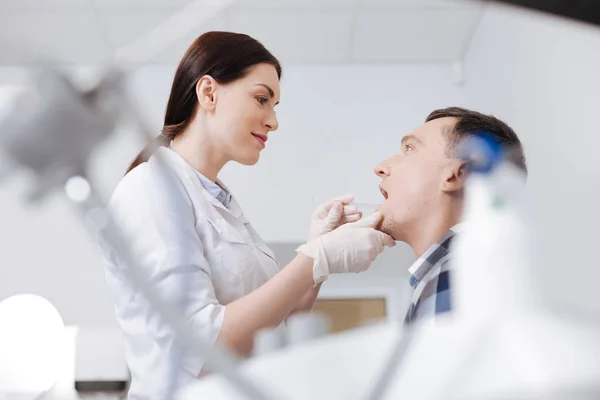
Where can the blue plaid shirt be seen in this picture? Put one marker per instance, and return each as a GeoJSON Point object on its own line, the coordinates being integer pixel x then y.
{"type": "Point", "coordinates": [430, 280]}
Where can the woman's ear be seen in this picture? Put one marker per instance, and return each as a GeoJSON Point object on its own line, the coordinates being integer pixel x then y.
{"type": "Point", "coordinates": [206, 92]}
{"type": "Point", "coordinates": [455, 176]}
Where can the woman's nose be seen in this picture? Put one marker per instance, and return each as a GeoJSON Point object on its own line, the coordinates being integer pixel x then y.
{"type": "Point", "coordinates": [272, 122]}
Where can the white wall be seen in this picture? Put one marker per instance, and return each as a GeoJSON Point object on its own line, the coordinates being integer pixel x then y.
{"type": "Point", "coordinates": [541, 74]}
{"type": "Point", "coordinates": [336, 123]}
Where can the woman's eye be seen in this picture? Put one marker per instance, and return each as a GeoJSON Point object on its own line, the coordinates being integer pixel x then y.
{"type": "Point", "coordinates": [262, 100]}
{"type": "Point", "coordinates": [408, 148]}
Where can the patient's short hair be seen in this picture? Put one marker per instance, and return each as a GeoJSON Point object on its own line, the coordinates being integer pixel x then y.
{"type": "Point", "coordinates": [470, 122]}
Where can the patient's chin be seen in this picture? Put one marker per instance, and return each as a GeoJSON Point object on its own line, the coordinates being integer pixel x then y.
{"type": "Point", "coordinates": [388, 226]}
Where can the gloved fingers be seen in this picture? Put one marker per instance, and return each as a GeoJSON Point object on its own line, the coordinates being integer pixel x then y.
{"type": "Point", "coordinates": [351, 214]}
{"type": "Point", "coordinates": [350, 218]}
{"type": "Point", "coordinates": [386, 239]}
{"type": "Point", "coordinates": [344, 199]}
{"type": "Point", "coordinates": [362, 268]}
{"type": "Point", "coordinates": [367, 265]}
{"type": "Point", "coordinates": [322, 210]}
{"type": "Point", "coordinates": [335, 214]}
{"type": "Point", "coordinates": [370, 222]}
{"type": "Point", "coordinates": [350, 209]}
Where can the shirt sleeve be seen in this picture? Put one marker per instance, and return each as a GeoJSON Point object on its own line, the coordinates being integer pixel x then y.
{"type": "Point", "coordinates": [160, 226]}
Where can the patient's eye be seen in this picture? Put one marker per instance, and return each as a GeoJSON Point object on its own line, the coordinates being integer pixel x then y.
{"type": "Point", "coordinates": [408, 148]}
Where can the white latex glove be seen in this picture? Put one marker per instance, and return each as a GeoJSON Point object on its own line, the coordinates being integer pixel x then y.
{"type": "Point", "coordinates": [351, 248]}
{"type": "Point", "coordinates": [332, 214]}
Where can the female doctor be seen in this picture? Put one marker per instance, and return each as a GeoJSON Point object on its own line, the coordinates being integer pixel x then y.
{"type": "Point", "coordinates": [200, 253]}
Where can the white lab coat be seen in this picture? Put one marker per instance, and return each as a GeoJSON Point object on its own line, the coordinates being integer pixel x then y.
{"type": "Point", "coordinates": [199, 256]}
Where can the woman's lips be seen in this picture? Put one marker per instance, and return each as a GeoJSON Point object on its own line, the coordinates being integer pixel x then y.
{"type": "Point", "coordinates": [261, 138]}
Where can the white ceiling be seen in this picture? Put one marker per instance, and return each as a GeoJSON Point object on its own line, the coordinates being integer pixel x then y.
{"type": "Point", "coordinates": [296, 31]}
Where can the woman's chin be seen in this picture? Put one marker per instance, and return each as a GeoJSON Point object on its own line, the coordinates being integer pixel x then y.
{"type": "Point", "coordinates": [248, 159]}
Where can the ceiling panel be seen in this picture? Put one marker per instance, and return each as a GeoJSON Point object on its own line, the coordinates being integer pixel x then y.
{"type": "Point", "coordinates": [297, 31]}
{"type": "Point", "coordinates": [174, 53]}
{"type": "Point", "coordinates": [34, 5]}
{"type": "Point", "coordinates": [427, 35]}
{"type": "Point", "coordinates": [300, 36]}
{"type": "Point", "coordinates": [124, 27]}
{"type": "Point", "coordinates": [297, 4]}
{"type": "Point", "coordinates": [137, 4]}
{"type": "Point", "coordinates": [415, 3]}
{"type": "Point", "coordinates": [67, 37]}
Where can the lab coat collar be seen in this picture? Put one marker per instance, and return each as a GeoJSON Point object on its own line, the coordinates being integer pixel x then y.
{"type": "Point", "coordinates": [233, 207]}
{"type": "Point", "coordinates": [185, 170]}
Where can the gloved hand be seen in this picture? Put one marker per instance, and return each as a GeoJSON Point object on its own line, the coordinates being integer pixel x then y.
{"type": "Point", "coordinates": [332, 214]}
{"type": "Point", "coordinates": [351, 248]}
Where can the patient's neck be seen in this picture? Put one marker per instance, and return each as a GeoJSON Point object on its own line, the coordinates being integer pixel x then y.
{"type": "Point", "coordinates": [431, 228]}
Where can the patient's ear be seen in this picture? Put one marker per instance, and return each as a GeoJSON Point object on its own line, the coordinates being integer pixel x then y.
{"type": "Point", "coordinates": [455, 176]}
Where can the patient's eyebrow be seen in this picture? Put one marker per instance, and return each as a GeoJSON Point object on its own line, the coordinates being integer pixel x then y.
{"type": "Point", "coordinates": [410, 137]}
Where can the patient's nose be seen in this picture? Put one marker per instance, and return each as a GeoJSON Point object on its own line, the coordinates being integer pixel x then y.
{"type": "Point", "coordinates": [382, 170]}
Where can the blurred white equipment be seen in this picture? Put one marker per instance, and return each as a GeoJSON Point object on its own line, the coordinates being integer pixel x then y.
{"type": "Point", "coordinates": [341, 366]}
{"type": "Point", "coordinates": [267, 340]}
{"type": "Point", "coordinates": [304, 327]}
{"type": "Point", "coordinates": [32, 344]}
{"type": "Point", "coordinates": [100, 364]}
{"type": "Point", "coordinates": [300, 327]}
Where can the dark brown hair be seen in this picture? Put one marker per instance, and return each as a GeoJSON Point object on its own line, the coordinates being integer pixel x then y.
{"type": "Point", "coordinates": [226, 57]}
{"type": "Point", "coordinates": [470, 122]}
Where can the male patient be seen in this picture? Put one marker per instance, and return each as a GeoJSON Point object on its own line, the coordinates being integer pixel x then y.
{"type": "Point", "coordinates": [423, 189]}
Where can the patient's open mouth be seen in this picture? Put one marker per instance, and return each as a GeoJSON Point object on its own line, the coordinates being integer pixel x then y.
{"type": "Point", "coordinates": [383, 192]}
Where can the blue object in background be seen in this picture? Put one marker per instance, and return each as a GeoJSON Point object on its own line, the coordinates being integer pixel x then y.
{"type": "Point", "coordinates": [482, 152]}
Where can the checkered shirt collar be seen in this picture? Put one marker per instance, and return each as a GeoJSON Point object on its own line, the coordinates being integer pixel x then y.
{"type": "Point", "coordinates": [432, 256]}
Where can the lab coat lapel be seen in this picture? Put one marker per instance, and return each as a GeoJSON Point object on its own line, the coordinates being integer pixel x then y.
{"type": "Point", "coordinates": [228, 226]}
{"type": "Point", "coordinates": [233, 206]}
{"type": "Point", "coordinates": [233, 214]}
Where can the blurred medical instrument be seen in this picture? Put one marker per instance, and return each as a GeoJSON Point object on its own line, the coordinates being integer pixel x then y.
{"type": "Point", "coordinates": [367, 208]}
{"type": "Point", "coordinates": [50, 130]}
